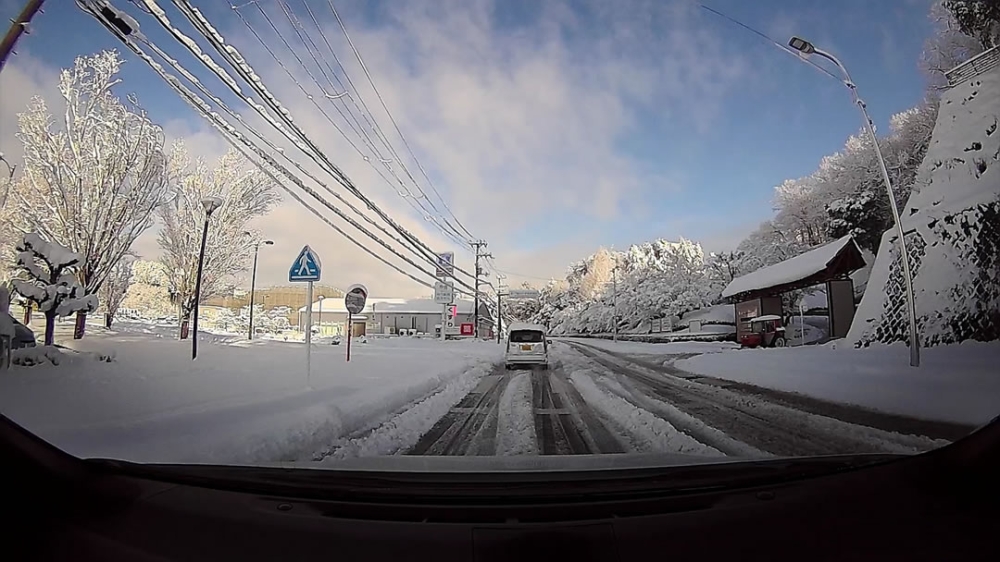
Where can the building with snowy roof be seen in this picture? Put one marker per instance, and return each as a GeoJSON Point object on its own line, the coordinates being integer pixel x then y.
{"type": "Point", "coordinates": [387, 316]}
{"type": "Point", "coordinates": [759, 293]}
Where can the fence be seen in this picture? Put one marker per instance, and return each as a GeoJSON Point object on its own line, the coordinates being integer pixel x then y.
{"type": "Point", "coordinates": [974, 66]}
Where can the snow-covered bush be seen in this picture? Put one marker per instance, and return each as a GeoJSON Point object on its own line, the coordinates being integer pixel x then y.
{"type": "Point", "coordinates": [51, 281]}
{"type": "Point", "coordinates": [40, 355]}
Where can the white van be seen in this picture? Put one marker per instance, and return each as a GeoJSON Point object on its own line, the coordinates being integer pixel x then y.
{"type": "Point", "coordinates": [527, 345]}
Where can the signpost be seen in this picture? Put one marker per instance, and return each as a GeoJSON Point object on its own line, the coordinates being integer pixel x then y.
{"type": "Point", "coordinates": [445, 269]}
{"type": "Point", "coordinates": [444, 292]}
{"type": "Point", "coordinates": [522, 294]}
{"type": "Point", "coordinates": [306, 269]}
{"type": "Point", "coordinates": [354, 302]}
{"type": "Point", "coordinates": [446, 264]}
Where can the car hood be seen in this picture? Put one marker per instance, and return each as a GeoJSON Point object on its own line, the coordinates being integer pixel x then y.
{"type": "Point", "coordinates": [520, 464]}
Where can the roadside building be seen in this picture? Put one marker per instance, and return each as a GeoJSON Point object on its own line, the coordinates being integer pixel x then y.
{"type": "Point", "coordinates": [385, 316]}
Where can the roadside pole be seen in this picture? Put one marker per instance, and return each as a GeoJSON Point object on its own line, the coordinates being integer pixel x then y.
{"type": "Point", "coordinates": [306, 269]}
{"type": "Point", "coordinates": [614, 297]}
{"type": "Point", "coordinates": [18, 26]}
{"type": "Point", "coordinates": [354, 302]}
{"type": "Point", "coordinates": [802, 326]}
{"type": "Point", "coordinates": [309, 321]}
{"type": "Point", "coordinates": [350, 323]}
{"type": "Point", "coordinates": [444, 319]}
{"type": "Point", "coordinates": [445, 271]}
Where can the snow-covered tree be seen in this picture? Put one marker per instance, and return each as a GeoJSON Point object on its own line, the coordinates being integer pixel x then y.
{"type": "Point", "coordinates": [977, 18]}
{"type": "Point", "coordinates": [947, 47]}
{"type": "Point", "coordinates": [147, 292]}
{"type": "Point", "coordinates": [112, 292]}
{"type": "Point", "coordinates": [93, 173]}
{"type": "Point", "coordinates": [51, 282]}
{"type": "Point", "coordinates": [246, 193]}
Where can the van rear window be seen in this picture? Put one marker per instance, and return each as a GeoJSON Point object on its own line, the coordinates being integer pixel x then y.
{"type": "Point", "coordinates": [527, 336]}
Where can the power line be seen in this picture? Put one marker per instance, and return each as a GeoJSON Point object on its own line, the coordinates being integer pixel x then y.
{"type": "Point", "coordinates": [232, 56]}
{"type": "Point", "coordinates": [302, 142]}
{"type": "Point", "coordinates": [373, 122]}
{"type": "Point", "coordinates": [231, 134]}
{"type": "Point", "coordinates": [358, 129]}
{"type": "Point", "coordinates": [391, 118]}
{"type": "Point", "coordinates": [766, 38]}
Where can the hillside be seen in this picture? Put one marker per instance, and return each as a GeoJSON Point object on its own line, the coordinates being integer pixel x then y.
{"type": "Point", "coordinates": [952, 220]}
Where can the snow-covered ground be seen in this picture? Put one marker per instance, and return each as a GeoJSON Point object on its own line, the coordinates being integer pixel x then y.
{"type": "Point", "coordinates": [240, 402]}
{"type": "Point", "coordinates": [956, 383]}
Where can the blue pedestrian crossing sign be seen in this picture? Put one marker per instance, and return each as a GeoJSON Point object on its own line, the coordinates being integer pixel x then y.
{"type": "Point", "coordinates": [306, 267]}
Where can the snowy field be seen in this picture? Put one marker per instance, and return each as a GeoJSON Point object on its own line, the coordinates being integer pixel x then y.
{"type": "Point", "coordinates": [240, 402]}
{"type": "Point", "coordinates": [956, 383]}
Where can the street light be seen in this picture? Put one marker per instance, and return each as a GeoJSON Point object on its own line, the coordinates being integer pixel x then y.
{"type": "Point", "coordinates": [210, 204]}
{"type": "Point", "coordinates": [807, 48]}
{"type": "Point", "coordinates": [253, 279]}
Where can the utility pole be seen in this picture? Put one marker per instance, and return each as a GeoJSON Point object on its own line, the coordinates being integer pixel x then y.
{"type": "Point", "coordinates": [500, 278]}
{"type": "Point", "coordinates": [614, 300]}
{"type": "Point", "coordinates": [478, 245]}
{"type": "Point", "coordinates": [19, 26]}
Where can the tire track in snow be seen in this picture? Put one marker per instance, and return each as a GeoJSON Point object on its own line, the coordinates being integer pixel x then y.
{"type": "Point", "coordinates": [766, 426]}
{"type": "Point", "coordinates": [405, 429]}
{"type": "Point", "coordinates": [645, 431]}
{"type": "Point", "coordinates": [460, 429]}
{"type": "Point", "coordinates": [515, 431]}
{"type": "Point", "coordinates": [692, 426]}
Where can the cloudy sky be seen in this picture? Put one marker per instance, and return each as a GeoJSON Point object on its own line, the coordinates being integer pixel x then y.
{"type": "Point", "coordinates": [549, 128]}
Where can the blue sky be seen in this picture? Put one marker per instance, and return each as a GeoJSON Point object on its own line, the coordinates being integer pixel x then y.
{"type": "Point", "coordinates": [671, 120]}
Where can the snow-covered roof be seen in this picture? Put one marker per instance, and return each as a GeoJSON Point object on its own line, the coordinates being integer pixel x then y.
{"type": "Point", "coordinates": [392, 306]}
{"type": "Point", "coordinates": [789, 271]}
{"type": "Point", "coordinates": [524, 326]}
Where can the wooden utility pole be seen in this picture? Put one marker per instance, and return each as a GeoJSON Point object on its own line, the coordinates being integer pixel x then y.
{"type": "Point", "coordinates": [19, 26]}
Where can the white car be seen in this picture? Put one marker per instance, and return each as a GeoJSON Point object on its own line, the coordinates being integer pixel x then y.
{"type": "Point", "coordinates": [527, 345]}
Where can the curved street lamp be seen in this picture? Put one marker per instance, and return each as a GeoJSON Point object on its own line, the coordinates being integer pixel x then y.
{"type": "Point", "coordinates": [253, 279]}
{"type": "Point", "coordinates": [807, 48]}
{"type": "Point", "coordinates": [210, 203]}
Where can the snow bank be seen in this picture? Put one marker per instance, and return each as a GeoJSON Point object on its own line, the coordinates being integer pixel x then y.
{"type": "Point", "coordinates": [955, 383]}
{"type": "Point", "coordinates": [234, 404]}
{"type": "Point", "coordinates": [952, 220]}
{"type": "Point", "coordinates": [716, 314]}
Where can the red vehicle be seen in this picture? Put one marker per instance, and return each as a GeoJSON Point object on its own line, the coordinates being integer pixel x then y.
{"type": "Point", "coordinates": [765, 331]}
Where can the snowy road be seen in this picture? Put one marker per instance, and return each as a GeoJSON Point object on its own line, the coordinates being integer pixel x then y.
{"type": "Point", "coordinates": [528, 412]}
{"type": "Point", "coordinates": [597, 401]}
{"type": "Point", "coordinates": [737, 422]}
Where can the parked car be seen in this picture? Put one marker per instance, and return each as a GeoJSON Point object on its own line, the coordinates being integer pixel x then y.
{"type": "Point", "coordinates": [765, 331]}
{"type": "Point", "coordinates": [527, 345]}
{"type": "Point", "coordinates": [23, 336]}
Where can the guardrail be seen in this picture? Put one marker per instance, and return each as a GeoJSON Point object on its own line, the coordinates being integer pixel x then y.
{"type": "Point", "coordinates": [974, 67]}
{"type": "Point", "coordinates": [655, 338]}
